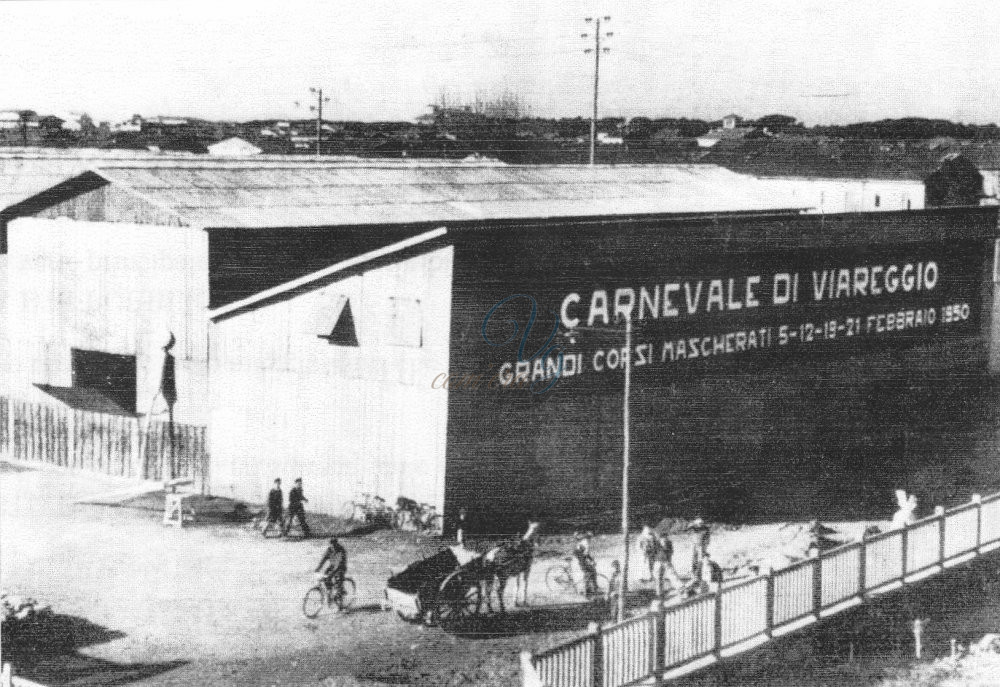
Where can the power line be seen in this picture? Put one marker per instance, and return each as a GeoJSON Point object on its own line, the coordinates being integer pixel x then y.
{"type": "Point", "coordinates": [597, 50]}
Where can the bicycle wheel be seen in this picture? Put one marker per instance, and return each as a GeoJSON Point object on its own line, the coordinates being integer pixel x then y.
{"type": "Point", "coordinates": [558, 579]}
{"type": "Point", "coordinates": [313, 601]}
{"type": "Point", "coordinates": [346, 598]}
{"type": "Point", "coordinates": [433, 523]}
{"type": "Point", "coordinates": [257, 522]}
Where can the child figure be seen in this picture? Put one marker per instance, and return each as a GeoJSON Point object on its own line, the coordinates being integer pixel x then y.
{"type": "Point", "coordinates": [906, 515]}
{"type": "Point", "coordinates": [614, 587]}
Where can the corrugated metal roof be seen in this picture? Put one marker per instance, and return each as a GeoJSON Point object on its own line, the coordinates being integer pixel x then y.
{"type": "Point", "coordinates": [277, 196]}
{"type": "Point", "coordinates": [25, 172]}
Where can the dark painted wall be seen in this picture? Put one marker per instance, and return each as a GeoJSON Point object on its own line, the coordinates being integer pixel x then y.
{"type": "Point", "coordinates": [243, 262]}
{"type": "Point", "coordinates": [737, 434]}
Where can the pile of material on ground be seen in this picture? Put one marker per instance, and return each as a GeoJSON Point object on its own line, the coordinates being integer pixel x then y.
{"type": "Point", "coordinates": [978, 666]}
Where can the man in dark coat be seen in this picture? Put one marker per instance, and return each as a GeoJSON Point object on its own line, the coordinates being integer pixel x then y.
{"type": "Point", "coordinates": [275, 508]}
{"type": "Point", "coordinates": [296, 510]}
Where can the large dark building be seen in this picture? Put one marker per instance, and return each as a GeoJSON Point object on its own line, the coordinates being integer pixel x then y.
{"type": "Point", "coordinates": [457, 334]}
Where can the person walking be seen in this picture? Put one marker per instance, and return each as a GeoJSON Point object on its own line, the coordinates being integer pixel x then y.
{"type": "Point", "coordinates": [587, 565]}
{"type": "Point", "coordinates": [702, 537]}
{"type": "Point", "coordinates": [663, 565]}
{"type": "Point", "coordinates": [275, 508]}
{"type": "Point", "coordinates": [648, 545]}
{"type": "Point", "coordinates": [296, 510]}
{"type": "Point", "coordinates": [710, 575]}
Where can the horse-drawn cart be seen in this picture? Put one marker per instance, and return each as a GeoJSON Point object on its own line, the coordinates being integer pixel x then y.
{"type": "Point", "coordinates": [441, 589]}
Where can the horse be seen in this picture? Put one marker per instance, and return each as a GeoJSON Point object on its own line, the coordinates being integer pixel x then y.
{"type": "Point", "coordinates": [506, 561]}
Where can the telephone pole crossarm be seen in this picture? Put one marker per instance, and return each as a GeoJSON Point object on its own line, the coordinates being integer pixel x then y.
{"type": "Point", "coordinates": [319, 115]}
{"type": "Point", "coordinates": [597, 50]}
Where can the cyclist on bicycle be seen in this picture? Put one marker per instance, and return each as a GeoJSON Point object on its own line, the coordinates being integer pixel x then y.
{"type": "Point", "coordinates": [335, 558]}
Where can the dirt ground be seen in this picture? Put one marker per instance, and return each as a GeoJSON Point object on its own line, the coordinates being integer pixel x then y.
{"type": "Point", "coordinates": [140, 603]}
{"type": "Point", "coordinates": [137, 602]}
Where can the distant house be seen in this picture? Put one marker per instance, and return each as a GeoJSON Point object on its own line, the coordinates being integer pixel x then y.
{"type": "Point", "coordinates": [19, 127]}
{"type": "Point", "coordinates": [607, 139]}
{"type": "Point", "coordinates": [133, 125]}
{"type": "Point", "coordinates": [731, 121]}
{"type": "Point", "coordinates": [986, 158]}
{"type": "Point", "coordinates": [450, 116]}
{"type": "Point", "coordinates": [732, 133]}
{"type": "Point", "coordinates": [234, 146]}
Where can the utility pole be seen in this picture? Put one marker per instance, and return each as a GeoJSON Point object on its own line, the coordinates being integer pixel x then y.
{"type": "Point", "coordinates": [597, 49]}
{"type": "Point", "coordinates": [318, 109]}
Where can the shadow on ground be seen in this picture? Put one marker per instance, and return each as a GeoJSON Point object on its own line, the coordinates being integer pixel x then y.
{"type": "Point", "coordinates": [870, 644]}
{"type": "Point", "coordinates": [549, 618]}
{"type": "Point", "coordinates": [46, 650]}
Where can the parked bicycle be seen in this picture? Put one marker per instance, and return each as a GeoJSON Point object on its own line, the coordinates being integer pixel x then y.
{"type": "Point", "coordinates": [318, 598]}
{"type": "Point", "coordinates": [422, 517]}
{"type": "Point", "coordinates": [257, 520]}
{"type": "Point", "coordinates": [564, 578]}
{"type": "Point", "coordinates": [370, 509]}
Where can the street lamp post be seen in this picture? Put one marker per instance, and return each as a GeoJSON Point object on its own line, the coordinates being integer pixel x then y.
{"type": "Point", "coordinates": [626, 438]}
{"type": "Point", "coordinates": [625, 465]}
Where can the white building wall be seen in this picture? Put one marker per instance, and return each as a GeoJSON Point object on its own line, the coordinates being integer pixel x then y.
{"type": "Point", "coordinates": [4, 334]}
{"type": "Point", "coordinates": [850, 195]}
{"type": "Point", "coordinates": [117, 288]}
{"type": "Point", "coordinates": [991, 183]}
{"type": "Point", "coordinates": [286, 403]}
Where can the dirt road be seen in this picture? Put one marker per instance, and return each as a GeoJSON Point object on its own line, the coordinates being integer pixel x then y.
{"type": "Point", "coordinates": [144, 603]}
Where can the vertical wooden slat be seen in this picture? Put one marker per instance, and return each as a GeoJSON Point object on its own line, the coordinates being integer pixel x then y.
{"type": "Point", "coordinates": [50, 435]}
{"type": "Point", "coordinates": [43, 433]}
{"type": "Point", "coordinates": [718, 621]}
{"type": "Point", "coordinates": [36, 433]}
{"type": "Point", "coordinates": [108, 443]}
{"type": "Point", "coordinates": [598, 656]}
{"type": "Point", "coordinates": [91, 442]}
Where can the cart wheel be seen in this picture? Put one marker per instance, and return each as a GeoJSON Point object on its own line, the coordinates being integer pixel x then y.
{"type": "Point", "coordinates": [457, 599]}
{"type": "Point", "coordinates": [463, 603]}
{"type": "Point", "coordinates": [558, 579]}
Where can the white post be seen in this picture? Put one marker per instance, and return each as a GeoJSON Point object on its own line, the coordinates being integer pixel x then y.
{"type": "Point", "coordinates": [625, 466]}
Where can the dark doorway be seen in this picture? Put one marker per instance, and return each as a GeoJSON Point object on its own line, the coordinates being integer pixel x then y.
{"type": "Point", "coordinates": [110, 374]}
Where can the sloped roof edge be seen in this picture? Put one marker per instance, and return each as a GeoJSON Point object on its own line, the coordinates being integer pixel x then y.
{"type": "Point", "coordinates": [320, 277]}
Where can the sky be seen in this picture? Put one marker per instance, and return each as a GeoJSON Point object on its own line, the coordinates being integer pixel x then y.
{"type": "Point", "coordinates": [822, 62]}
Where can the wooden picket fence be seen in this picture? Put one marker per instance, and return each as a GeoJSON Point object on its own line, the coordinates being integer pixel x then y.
{"type": "Point", "coordinates": [676, 640]}
{"type": "Point", "coordinates": [119, 445]}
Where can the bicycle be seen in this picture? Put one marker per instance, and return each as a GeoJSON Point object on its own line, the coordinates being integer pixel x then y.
{"type": "Point", "coordinates": [559, 578]}
{"type": "Point", "coordinates": [422, 517]}
{"type": "Point", "coordinates": [317, 597]}
{"type": "Point", "coordinates": [256, 519]}
{"type": "Point", "coordinates": [371, 509]}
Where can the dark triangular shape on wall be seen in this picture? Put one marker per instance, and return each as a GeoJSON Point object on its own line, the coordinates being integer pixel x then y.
{"type": "Point", "coordinates": [343, 333]}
